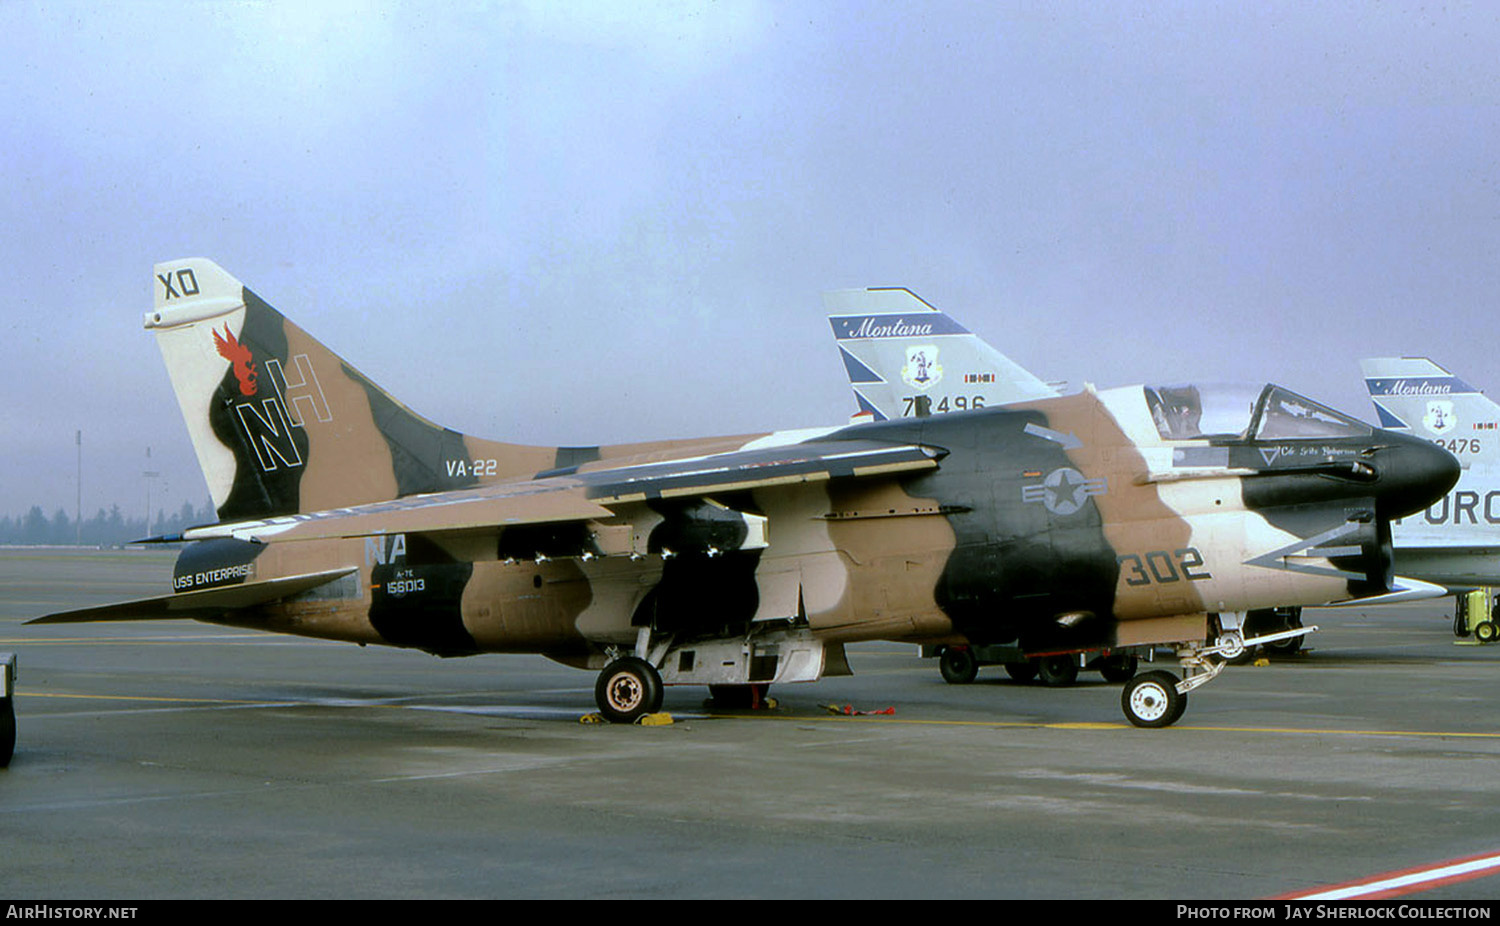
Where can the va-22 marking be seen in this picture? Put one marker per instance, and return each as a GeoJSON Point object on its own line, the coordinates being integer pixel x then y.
{"type": "Point", "coordinates": [473, 467]}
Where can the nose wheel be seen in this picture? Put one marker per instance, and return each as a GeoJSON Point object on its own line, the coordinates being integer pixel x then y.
{"type": "Point", "coordinates": [1152, 700]}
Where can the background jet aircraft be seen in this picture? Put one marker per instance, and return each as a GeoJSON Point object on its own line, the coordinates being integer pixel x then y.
{"type": "Point", "coordinates": [1456, 541]}
{"type": "Point", "coordinates": [736, 562]}
{"type": "Point", "coordinates": [905, 358]}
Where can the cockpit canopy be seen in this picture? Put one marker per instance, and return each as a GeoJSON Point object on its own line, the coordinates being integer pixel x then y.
{"type": "Point", "coordinates": [1244, 412]}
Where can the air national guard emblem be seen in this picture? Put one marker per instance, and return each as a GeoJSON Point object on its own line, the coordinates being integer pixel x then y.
{"type": "Point", "coordinates": [922, 371]}
{"type": "Point", "coordinates": [1439, 418]}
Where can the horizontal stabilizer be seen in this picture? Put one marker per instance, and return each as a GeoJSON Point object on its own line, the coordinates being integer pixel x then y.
{"type": "Point", "coordinates": [203, 603]}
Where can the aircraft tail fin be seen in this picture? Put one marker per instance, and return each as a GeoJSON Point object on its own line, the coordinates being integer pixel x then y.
{"type": "Point", "coordinates": [905, 358]}
{"type": "Point", "coordinates": [283, 425]}
{"type": "Point", "coordinates": [1416, 395]}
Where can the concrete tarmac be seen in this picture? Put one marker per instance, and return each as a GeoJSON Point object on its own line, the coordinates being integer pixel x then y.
{"type": "Point", "coordinates": [181, 760]}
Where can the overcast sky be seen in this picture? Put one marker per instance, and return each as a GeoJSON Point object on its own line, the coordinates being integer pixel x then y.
{"type": "Point", "coordinates": [576, 223]}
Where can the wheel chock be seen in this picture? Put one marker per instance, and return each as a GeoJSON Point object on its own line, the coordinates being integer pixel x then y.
{"type": "Point", "coordinates": [848, 711]}
{"type": "Point", "coordinates": [595, 717]}
{"type": "Point", "coordinates": [655, 720]}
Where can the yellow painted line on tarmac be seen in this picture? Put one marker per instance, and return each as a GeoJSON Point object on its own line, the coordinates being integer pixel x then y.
{"type": "Point", "coordinates": [262, 702]}
{"type": "Point", "coordinates": [101, 697]}
{"type": "Point", "coordinates": [887, 719]}
{"type": "Point", "coordinates": [1178, 729]}
{"type": "Point", "coordinates": [1443, 734]}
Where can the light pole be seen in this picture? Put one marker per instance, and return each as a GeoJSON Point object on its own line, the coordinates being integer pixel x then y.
{"type": "Point", "coordinates": [149, 475]}
{"type": "Point", "coordinates": [78, 500]}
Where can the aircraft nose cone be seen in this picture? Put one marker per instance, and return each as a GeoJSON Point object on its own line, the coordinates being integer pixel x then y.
{"type": "Point", "coordinates": [1413, 473]}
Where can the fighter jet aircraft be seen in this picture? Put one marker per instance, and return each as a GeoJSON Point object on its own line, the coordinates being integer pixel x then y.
{"type": "Point", "coordinates": [1456, 541]}
{"type": "Point", "coordinates": [1116, 517]}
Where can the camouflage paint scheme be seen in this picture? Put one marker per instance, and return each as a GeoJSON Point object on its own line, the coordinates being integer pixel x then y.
{"type": "Point", "coordinates": [1061, 522]}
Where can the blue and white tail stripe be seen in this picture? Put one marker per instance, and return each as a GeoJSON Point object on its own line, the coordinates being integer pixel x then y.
{"type": "Point", "coordinates": [858, 372]}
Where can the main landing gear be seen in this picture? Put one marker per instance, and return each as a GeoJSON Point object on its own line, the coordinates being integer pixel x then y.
{"type": "Point", "coordinates": [628, 689]}
{"type": "Point", "coordinates": [1157, 699]}
{"type": "Point", "coordinates": [738, 670]}
{"type": "Point", "coordinates": [1231, 631]}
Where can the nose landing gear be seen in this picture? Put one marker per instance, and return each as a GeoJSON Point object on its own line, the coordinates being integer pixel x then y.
{"type": "Point", "coordinates": [1158, 699]}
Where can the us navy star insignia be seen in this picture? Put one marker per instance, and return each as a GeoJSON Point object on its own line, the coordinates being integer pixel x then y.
{"type": "Point", "coordinates": [1064, 490]}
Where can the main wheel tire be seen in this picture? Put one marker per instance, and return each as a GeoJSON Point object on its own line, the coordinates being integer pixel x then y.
{"type": "Point", "coordinates": [1288, 647]}
{"type": "Point", "coordinates": [1152, 700]}
{"type": "Point", "coordinates": [1021, 671]}
{"type": "Point", "coordinates": [1119, 668]}
{"type": "Point", "coordinates": [958, 665]}
{"type": "Point", "coordinates": [628, 689]}
{"type": "Point", "coordinates": [1291, 620]}
{"type": "Point", "coordinates": [1057, 671]}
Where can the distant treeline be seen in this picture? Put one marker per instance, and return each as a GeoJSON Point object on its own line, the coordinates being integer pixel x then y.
{"type": "Point", "coordinates": [107, 528]}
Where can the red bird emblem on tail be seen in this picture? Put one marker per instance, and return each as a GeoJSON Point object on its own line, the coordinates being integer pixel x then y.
{"type": "Point", "coordinates": [238, 354]}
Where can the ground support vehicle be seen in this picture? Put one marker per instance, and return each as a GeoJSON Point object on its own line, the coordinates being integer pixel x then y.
{"type": "Point", "coordinates": [1474, 613]}
{"type": "Point", "coordinates": [960, 663]}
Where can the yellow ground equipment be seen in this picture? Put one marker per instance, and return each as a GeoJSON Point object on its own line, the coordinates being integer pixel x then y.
{"type": "Point", "coordinates": [1474, 613]}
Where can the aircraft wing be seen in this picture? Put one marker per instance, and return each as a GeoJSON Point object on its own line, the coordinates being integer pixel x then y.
{"type": "Point", "coordinates": [813, 461]}
{"type": "Point", "coordinates": [500, 505]}
{"type": "Point", "coordinates": [202, 603]}
{"type": "Point", "coordinates": [586, 496]}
